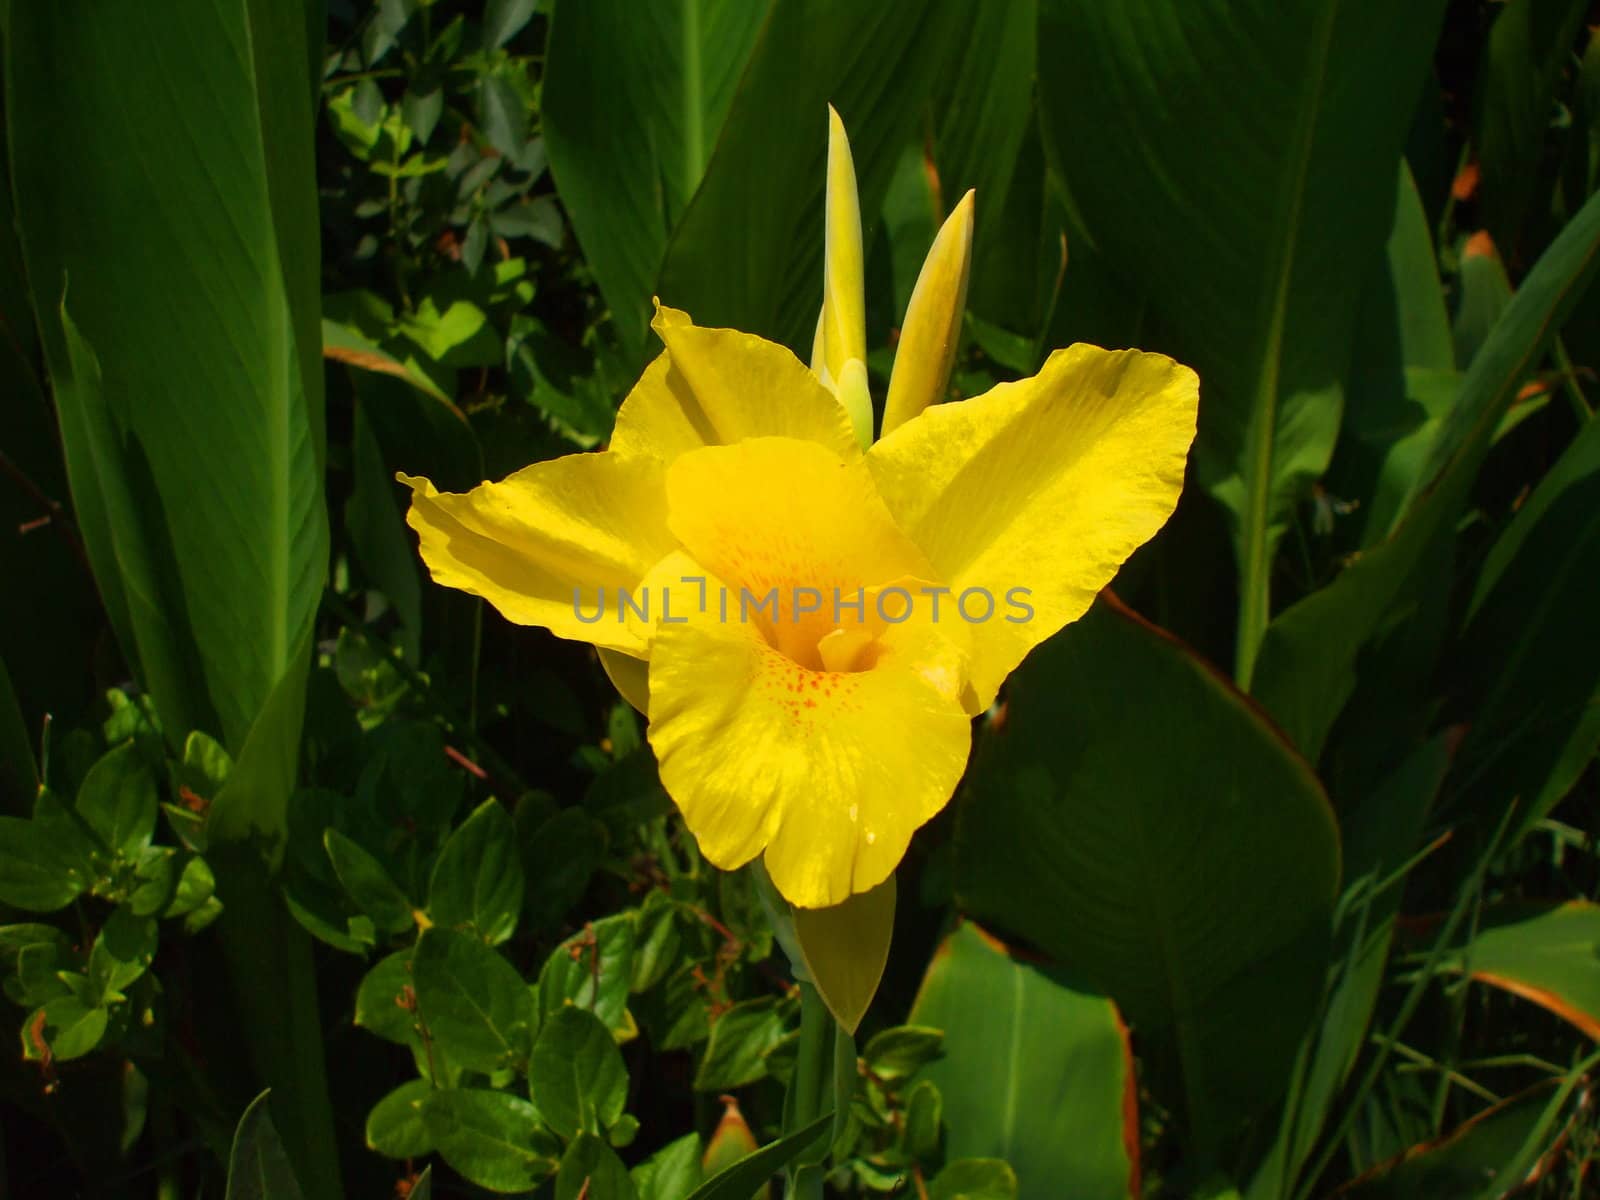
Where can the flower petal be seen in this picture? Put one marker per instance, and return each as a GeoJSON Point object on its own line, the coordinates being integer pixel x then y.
{"type": "Point", "coordinates": [714, 387]}
{"type": "Point", "coordinates": [776, 513]}
{"type": "Point", "coordinates": [829, 773]}
{"type": "Point", "coordinates": [1047, 484]}
{"type": "Point", "coordinates": [542, 543]}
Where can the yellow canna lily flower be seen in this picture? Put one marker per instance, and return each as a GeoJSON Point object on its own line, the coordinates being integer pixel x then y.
{"type": "Point", "coordinates": [809, 625]}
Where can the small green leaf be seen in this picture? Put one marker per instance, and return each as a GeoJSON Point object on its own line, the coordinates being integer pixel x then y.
{"type": "Point", "coordinates": [30, 879]}
{"type": "Point", "coordinates": [205, 765]}
{"type": "Point", "coordinates": [740, 1039]}
{"type": "Point", "coordinates": [123, 951]}
{"type": "Point", "coordinates": [898, 1053]}
{"type": "Point", "coordinates": [576, 1074]}
{"type": "Point", "coordinates": [367, 883]}
{"type": "Point", "coordinates": [593, 970]}
{"type": "Point", "coordinates": [559, 854]}
{"type": "Point", "coordinates": [258, 1168]}
{"type": "Point", "coordinates": [196, 886]}
{"type": "Point", "coordinates": [471, 1000]}
{"type": "Point", "coordinates": [477, 880]}
{"type": "Point", "coordinates": [118, 799]}
{"type": "Point", "coordinates": [591, 1170]}
{"type": "Point", "coordinates": [672, 1172]}
{"type": "Point", "coordinates": [975, 1179]}
{"type": "Point", "coordinates": [492, 1138]}
{"type": "Point", "coordinates": [385, 999]}
{"type": "Point", "coordinates": [72, 1027]}
{"type": "Point", "coordinates": [396, 1127]}
{"type": "Point", "coordinates": [924, 1113]}
{"type": "Point", "coordinates": [657, 942]}
{"type": "Point", "coordinates": [39, 967]}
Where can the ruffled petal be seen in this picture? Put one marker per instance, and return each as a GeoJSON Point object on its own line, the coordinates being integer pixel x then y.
{"type": "Point", "coordinates": [1032, 495]}
{"type": "Point", "coordinates": [715, 387]}
{"type": "Point", "coordinates": [551, 544]}
{"type": "Point", "coordinates": [829, 773]}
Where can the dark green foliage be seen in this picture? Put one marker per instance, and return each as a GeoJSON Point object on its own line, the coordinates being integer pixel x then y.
{"type": "Point", "coordinates": [276, 812]}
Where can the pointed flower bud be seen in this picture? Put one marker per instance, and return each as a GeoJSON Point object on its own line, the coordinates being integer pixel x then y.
{"type": "Point", "coordinates": [932, 326]}
{"type": "Point", "coordinates": [844, 304]}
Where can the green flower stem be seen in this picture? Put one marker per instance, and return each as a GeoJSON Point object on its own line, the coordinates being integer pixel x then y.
{"type": "Point", "coordinates": [274, 981]}
{"type": "Point", "coordinates": [810, 1091]}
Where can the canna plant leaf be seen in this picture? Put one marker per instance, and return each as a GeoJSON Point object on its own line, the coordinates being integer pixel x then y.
{"type": "Point", "coordinates": [1035, 1072]}
{"type": "Point", "coordinates": [199, 306]}
{"type": "Point", "coordinates": [747, 251]}
{"type": "Point", "coordinates": [1237, 163]}
{"type": "Point", "coordinates": [1134, 816]}
{"type": "Point", "coordinates": [634, 100]}
{"type": "Point", "coordinates": [1544, 953]}
{"type": "Point", "coordinates": [1535, 697]}
{"type": "Point", "coordinates": [1308, 666]}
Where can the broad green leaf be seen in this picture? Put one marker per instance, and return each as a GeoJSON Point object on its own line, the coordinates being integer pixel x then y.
{"type": "Point", "coordinates": [1475, 1161]}
{"type": "Point", "coordinates": [1528, 50]}
{"type": "Point", "coordinates": [1237, 165]}
{"type": "Point", "coordinates": [845, 950]}
{"type": "Point", "coordinates": [741, 1037]}
{"type": "Point", "coordinates": [477, 879]}
{"type": "Point", "coordinates": [1543, 953]}
{"type": "Point", "coordinates": [396, 1127]}
{"type": "Point", "coordinates": [1136, 817]}
{"type": "Point", "coordinates": [576, 1074]}
{"type": "Point", "coordinates": [983, 113]}
{"type": "Point", "coordinates": [1035, 1072]}
{"type": "Point", "coordinates": [633, 101]}
{"type": "Point", "coordinates": [1529, 658]}
{"type": "Point", "coordinates": [590, 1169]}
{"type": "Point", "coordinates": [672, 1172]}
{"type": "Point", "coordinates": [977, 1179]}
{"type": "Point", "coordinates": [368, 884]}
{"type": "Point", "coordinates": [207, 516]}
{"type": "Point", "coordinates": [30, 877]}
{"type": "Point", "coordinates": [275, 994]}
{"type": "Point", "coordinates": [740, 1180]}
{"type": "Point", "coordinates": [258, 1168]}
{"type": "Point", "coordinates": [593, 970]}
{"type": "Point", "coordinates": [1309, 658]}
{"type": "Point", "coordinates": [747, 252]}
{"type": "Point", "coordinates": [118, 800]}
{"type": "Point", "coordinates": [472, 1001]}
{"type": "Point", "coordinates": [493, 1139]}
